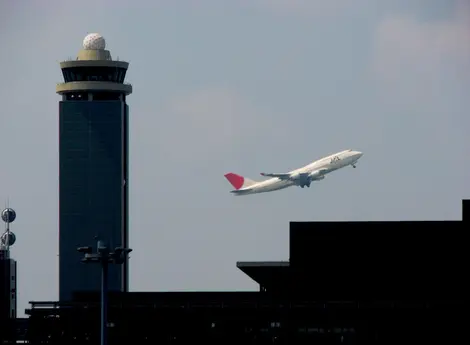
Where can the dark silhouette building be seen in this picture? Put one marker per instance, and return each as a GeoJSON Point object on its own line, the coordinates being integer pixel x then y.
{"type": "Point", "coordinates": [8, 286]}
{"type": "Point", "coordinates": [8, 298]}
{"type": "Point", "coordinates": [345, 283]}
{"type": "Point", "coordinates": [8, 291]}
{"type": "Point", "coordinates": [93, 182]}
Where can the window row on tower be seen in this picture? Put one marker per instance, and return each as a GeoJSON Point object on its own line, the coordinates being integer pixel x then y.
{"type": "Point", "coordinates": [106, 74]}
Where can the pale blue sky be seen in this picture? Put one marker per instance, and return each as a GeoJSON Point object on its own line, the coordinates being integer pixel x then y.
{"type": "Point", "coordinates": [242, 86]}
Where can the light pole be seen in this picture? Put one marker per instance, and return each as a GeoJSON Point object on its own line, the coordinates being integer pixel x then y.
{"type": "Point", "coordinates": [104, 257]}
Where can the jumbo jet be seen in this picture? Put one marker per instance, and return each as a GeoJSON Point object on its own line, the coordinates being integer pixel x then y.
{"type": "Point", "coordinates": [301, 177]}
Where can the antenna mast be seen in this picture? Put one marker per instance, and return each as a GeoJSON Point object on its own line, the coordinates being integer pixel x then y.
{"type": "Point", "coordinates": [8, 238]}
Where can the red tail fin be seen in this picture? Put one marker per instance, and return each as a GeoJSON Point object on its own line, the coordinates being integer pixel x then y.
{"type": "Point", "coordinates": [237, 181]}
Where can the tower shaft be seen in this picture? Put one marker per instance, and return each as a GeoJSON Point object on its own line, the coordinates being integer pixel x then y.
{"type": "Point", "coordinates": [93, 166]}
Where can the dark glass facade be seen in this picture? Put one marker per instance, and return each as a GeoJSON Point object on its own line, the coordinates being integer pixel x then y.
{"type": "Point", "coordinates": [93, 190]}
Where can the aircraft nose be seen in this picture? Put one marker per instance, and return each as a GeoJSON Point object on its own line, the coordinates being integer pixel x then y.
{"type": "Point", "coordinates": [359, 154]}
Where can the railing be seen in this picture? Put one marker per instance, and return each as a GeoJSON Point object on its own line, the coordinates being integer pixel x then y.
{"type": "Point", "coordinates": [95, 81]}
{"type": "Point", "coordinates": [242, 304]}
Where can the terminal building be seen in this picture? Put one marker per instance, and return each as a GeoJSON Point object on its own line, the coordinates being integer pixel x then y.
{"type": "Point", "coordinates": [344, 283]}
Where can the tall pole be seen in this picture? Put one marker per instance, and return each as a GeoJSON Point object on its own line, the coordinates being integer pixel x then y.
{"type": "Point", "coordinates": [104, 302]}
{"type": "Point", "coordinates": [104, 257]}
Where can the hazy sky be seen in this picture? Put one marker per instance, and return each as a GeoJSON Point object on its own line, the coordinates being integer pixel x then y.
{"type": "Point", "coordinates": [242, 86]}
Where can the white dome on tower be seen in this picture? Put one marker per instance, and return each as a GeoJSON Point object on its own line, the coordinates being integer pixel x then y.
{"type": "Point", "coordinates": [94, 41]}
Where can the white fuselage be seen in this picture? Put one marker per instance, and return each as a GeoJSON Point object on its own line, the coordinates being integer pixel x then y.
{"type": "Point", "coordinates": [327, 164]}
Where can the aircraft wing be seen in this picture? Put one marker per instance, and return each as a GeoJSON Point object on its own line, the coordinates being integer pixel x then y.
{"type": "Point", "coordinates": [295, 176]}
{"type": "Point", "coordinates": [281, 176]}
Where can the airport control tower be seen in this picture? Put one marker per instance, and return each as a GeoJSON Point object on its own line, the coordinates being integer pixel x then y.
{"type": "Point", "coordinates": [93, 168]}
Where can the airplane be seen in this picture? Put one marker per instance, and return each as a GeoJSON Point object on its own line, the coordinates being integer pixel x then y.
{"type": "Point", "coordinates": [301, 177]}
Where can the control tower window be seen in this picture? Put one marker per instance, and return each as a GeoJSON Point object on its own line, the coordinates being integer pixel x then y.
{"type": "Point", "coordinates": [106, 96]}
{"type": "Point", "coordinates": [107, 74]}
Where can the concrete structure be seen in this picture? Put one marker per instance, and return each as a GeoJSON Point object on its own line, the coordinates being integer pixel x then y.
{"type": "Point", "coordinates": [93, 182]}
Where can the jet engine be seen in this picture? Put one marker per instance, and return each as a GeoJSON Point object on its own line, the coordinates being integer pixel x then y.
{"type": "Point", "coordinates": [303, 179]}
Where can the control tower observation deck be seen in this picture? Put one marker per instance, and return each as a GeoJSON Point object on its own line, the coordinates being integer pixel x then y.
{"type": "Point", "coordinates": [93, 164]}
